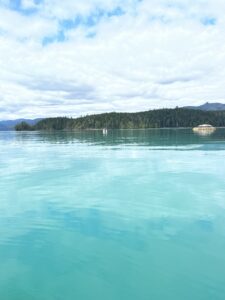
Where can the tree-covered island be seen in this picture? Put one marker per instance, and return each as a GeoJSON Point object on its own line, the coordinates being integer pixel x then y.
{"type": "Point", "coordinates": [159, 118]}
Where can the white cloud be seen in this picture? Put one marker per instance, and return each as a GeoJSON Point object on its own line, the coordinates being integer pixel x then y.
{"type": "Point", "coordinates": [157, 54]}
{"type": "Point", "coordinates": [25, 28]}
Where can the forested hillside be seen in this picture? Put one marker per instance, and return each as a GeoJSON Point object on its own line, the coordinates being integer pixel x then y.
{"type": "Point", "coordinates": [161, 118]}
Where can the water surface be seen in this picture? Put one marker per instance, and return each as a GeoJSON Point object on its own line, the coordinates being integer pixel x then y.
{"type": "Point", "coordinates": [132, 215]}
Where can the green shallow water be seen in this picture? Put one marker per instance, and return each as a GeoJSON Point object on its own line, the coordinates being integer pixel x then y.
{"type": "Point", "coordinates": [131, 215]}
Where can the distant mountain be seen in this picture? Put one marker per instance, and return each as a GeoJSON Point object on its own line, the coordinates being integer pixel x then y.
{"type": "Point", "coordinates": [10, 124]}
{"type": "Point", "coordinates": [208, 106]}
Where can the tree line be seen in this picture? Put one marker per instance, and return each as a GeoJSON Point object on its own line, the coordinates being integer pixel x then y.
{"type": "Point", "coordinates": [160, 118]}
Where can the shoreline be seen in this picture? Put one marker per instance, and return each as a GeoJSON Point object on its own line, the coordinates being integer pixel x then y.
{"type": "Point", "coordinates": [109, 129]}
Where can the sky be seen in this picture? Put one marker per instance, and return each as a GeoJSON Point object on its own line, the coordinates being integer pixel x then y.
{"type": "Point", "coordinates": [78, 57]}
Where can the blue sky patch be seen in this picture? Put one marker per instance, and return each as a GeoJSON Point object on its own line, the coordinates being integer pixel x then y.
{"type": "Point", "coordinates": [16, 5]}
{"type": "Point", "coordinates": [91, 20]}
{"type": "Point", "coordinates": [82, 21]}
{"type": "Point", "coordinates": [209, 21]}
{"type": "Point", "coordinates": [118, 11]}
{"type": "Point", "coordinates": [59, 37]}
{"type": "Point", "coordinates": [91, 35]}
{"type": "Point", "coordinates": [68, 24]}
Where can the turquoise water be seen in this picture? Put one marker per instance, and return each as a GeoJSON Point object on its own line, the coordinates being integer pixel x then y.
{"type": "Point", "coordinates": [131, 215]}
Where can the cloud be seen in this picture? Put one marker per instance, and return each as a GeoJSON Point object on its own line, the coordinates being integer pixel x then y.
{"type": "Point", "coordinates": [81, 57]}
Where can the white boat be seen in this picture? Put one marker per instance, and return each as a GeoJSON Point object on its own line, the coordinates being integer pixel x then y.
{"type": "Point", "coordinates": [204, 129]}
{"type": "Point", "coordinates": [104, 131]}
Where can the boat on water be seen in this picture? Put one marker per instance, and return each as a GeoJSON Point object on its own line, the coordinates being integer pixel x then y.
{"type": "Point", "coordinates": [204, 129]}
{"type": "Point", "coordinates": [104, 131]}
